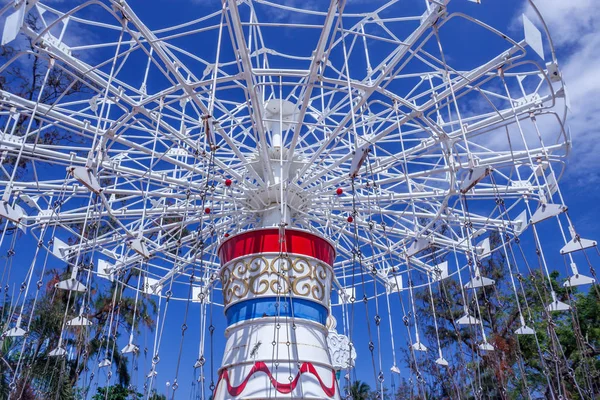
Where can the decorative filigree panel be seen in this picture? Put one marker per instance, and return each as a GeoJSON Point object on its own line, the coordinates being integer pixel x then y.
{"type": "Point", "coordinates": [254, 276]}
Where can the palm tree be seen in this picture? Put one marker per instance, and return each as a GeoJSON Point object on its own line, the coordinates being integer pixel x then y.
{"type": "Point", "coordinates": [44, 375]}
{"type": "Point", "coordinates": [157, 396]}
{"type": "Point", "coordinates": [360, 390]}
{"type": "Point", "coordinates": [5, 368]}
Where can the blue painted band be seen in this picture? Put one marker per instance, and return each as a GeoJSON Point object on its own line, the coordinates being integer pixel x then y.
{"type": "Point", "coordinates": [267, 307]}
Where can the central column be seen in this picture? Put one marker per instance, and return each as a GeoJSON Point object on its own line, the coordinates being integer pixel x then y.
{"type": "Point", "coordinates": [276, 291]}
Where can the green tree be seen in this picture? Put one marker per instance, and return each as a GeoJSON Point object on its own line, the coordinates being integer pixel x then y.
{"type": "Point", "coordinates": [158, 396]}
{"type": "Point", "coordinates": [562, 357]}
{"type": "Point", "coordinates": [116, 392]}
{"type": "Point", "coordinates": [360, 390]}
{"type": "Point", "coordinates": [44, 375]}
{"type": "Point", "coordinates": [405, 391]}
{"type": "Point", "coordinates": [120, 392]}
{"type": "Point", "coordinates": [376, 395]}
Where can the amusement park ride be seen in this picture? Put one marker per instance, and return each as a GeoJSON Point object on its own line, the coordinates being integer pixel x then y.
{"type": "Point", "coordinates": [279, 164]}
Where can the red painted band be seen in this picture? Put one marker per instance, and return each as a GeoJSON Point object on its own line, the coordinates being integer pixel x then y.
{"type": "Point", "coordinates": [267, 241]}
{"type": "Point", "coordinates": [284, 388]}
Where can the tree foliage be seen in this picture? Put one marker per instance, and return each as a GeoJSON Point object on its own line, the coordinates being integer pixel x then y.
{"type": "Point", "coordinates": [25, 76]}
{"type": "Point", "coordinates": [360, 390]}
{"type": "Point", "coordinates": [562, 357]}
{"type": "Point", "coordinates": [120, 392]}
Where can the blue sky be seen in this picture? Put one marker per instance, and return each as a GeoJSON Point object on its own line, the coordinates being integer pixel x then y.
{"type": "Point", "coordinates": [574, 26]}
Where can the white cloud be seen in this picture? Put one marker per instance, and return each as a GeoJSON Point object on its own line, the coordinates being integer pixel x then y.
{"type": "Point", "coordinates": [573, 25]}
{"type": "Point", "coordinates": [583, 83]}
{"type": "Point", "coordinates": [567, 20]}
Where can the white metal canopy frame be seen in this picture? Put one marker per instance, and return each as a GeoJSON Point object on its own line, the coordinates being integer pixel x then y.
{"type": "Point", "coordinates": [375, 125]}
